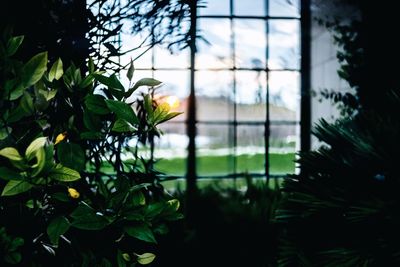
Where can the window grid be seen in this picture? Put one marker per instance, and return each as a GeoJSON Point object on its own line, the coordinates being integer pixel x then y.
{"type": "Point", "coordinates": [234, 69]}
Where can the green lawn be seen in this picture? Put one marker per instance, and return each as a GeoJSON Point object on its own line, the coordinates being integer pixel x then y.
{"type": "Point", "coordinates": [217, 165]}
{"type": "Point", "coordinates": [180, 184]}
{"type": "Point", "coordinates": [220, 165]}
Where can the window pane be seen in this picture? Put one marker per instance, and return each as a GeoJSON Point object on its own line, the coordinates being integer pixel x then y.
{"type": "Point", "coordinates": [244, 8]}
{"type": "Point", "coordinates": [283, 142]}
{"type": "Point", "coordinates": [284, 8]}
{"type": "Point", "coordinates": [250, 43]}
{"type": "Point", "coordinates": [284, 51]}
{"type": "Point", "coordinates": [251, 95]}
{"type": "Point", "coordinates": [214, 155]}
{"type": "Point", "coordinates": [214, 95]}
{"type": "Point", "coordinates": [163, 58]}
{"type": "Point", "coordinates": [250, 152]}
{"type": "Point", "coordinates": [284, 94]}
{"type": "Point", "coordinates": [217, 52]}
{"type": "Point", "coordinates": [215, 7]}
{"type": "Point", "coordinates": [137, 44]}
{"type": "Point", "coordinates": [170, 149]}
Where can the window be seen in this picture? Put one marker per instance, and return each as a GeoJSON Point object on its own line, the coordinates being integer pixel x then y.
{"type": "Point", "coordinates": [247, 89]}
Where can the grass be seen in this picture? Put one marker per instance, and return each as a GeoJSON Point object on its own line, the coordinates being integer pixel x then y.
{"type": "Point", "coordinates": [239, 183]}
{"type": "Point", "coordinates": [219, 165]}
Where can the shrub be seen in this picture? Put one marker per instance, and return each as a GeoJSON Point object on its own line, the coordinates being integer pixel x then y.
{"type": "Point", "coordinates": [58, 128]}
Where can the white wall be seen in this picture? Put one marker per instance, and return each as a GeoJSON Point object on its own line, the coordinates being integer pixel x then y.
{"type": "Point", "coordinates": [324, 66]}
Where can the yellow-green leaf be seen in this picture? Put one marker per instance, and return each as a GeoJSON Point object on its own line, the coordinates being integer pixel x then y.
{"type": "Point", "coordinates": [34, 146]}
{"type": "Point", "coordinates": [174, 203]}
{"type": "Point", "coordinates": [145, 258]}
{"type": "Point", "coordinates": [11, 153]}
{"type": "Point", "coordinates": [56, 71]}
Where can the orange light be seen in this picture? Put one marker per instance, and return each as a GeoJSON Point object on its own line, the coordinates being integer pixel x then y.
{"type": "Point", "coordinates": [172, 101]}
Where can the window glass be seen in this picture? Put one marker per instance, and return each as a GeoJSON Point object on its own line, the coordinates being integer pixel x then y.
{"type": "Point", "coordinates": [284, 50]}
{"type": "Point", "coordinates": [284, 8]}
{"type": "Point", "coordinates": [250, 43]}
{"type": "Point", "coordinates": [214, 51]}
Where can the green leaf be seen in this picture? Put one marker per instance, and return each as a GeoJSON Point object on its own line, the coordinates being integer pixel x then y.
{"type": "Point", "coordinates": [34, 146]}
{"type": "Point", "coordinates": [96, 104]}
{"type": "Point", "coordinates": [4, 132]}
{"type": "Point", "coordinates": [142, 82]}
{"type": "Point", "coordinates": [141, 232]}
{"type": "Point", "coordinates": [16, 243]}
{"type": "Point", "coordinates": [17, 92]}
{"type": "Point", "coordinates": [7, 174]}
{"type": "Point", "coordinates": [91, 135]}
{"type": "Point", "coordinates": [123, 111]}
{"type": "Point", "coordinates": [154, 209]}
{"type": "Point", "coordinates": [48, 94]}
{"type": "Point", "coordinates": [120, 259]}
{"type": "Point", "coordinates": [71, 155]}
{"type": "Point", "coordinates": [83, 210]}
{"type": "Point", "coordinates": [56, 71]}
{"type": "Point", "coordinates": [92, 121]}
{"type": "Point", "coordinates": [130, 72]}
{"type": "Point", "coordinates": [162, 114]}
{"type": "Point", "coordinates": [90, 221]}
{"type": "Point", "coordinates": [91, 65]}
{"type": "Point", "coordinates": [40, 155]}
{"type": "Point", "coordinates": [88, 80]}
{"type": "Point", "coordinates": [138, 199]}
{"type": "Point", "coordinates": [174, 217]}
{"type": "Point", "coordinates": [64, 174]}
{"type": "Point", "coordinates": [13, 257]}
{"type": "Point", "coordinates": [161, 229]}
{"type": "Point", "coordinates": [174, 204]}
{"type": "Point", "coordinates": [13, 44]}
{"type": "Point", "coordinates": [148, 105]}
{"type": "Point", "coordinates": [77, 76]}
{"type": "Point", "coordinates": [26, 103]}
{"type": "Point", "coordinates": [122, 126]}
{"type": "Point", "coordinates": [111, 81]}
{"type": "Point", "coordinates": [61, 196]}
{"type": "Point", "coordinates": [134, 216]}
{"type": "Point", "coordinates": [168, 117]}
{"type": "Point", "coordinates": [34, 69]}
{"type": "Point", "coordinates": [41, 103]}
{"type": "Point", "coordinates": [14, 187]}
{"type": "Point", "coordinates": [30, 204]}
{"type": "Point", "coordinates": [145, 258]}
{"type": "Point", "coordinates": [11, 153]}
{"type": "Point", "coordinates": [57, 227]}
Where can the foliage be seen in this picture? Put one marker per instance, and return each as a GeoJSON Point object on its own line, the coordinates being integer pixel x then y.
{"type": "Point", "coordinates": [57, 127]}
{"type": "Point", "coordinates": [9, 247]}
{"type": "Point", "coordinates": [344, 209]}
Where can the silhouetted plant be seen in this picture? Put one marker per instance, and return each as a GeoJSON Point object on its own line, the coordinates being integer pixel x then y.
{"type": "Point", "coordinates": [68, 197]}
